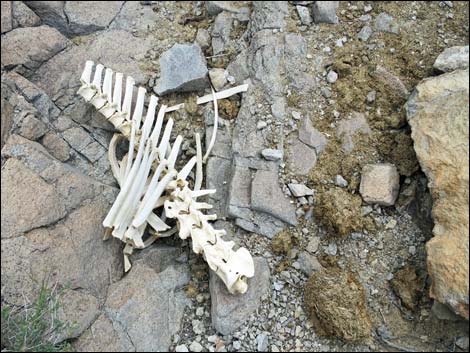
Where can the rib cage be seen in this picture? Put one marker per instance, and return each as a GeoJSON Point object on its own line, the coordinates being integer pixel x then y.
{"type": "Point", "coordinates": [149, 181]}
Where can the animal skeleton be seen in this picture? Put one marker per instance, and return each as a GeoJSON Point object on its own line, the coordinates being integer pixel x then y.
{"type": "Point", "coordinates": [151, 188]}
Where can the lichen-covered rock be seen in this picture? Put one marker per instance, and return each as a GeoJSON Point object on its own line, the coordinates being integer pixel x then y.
{"type": "Point", "coordinates": [23, 16]}
{"type": "Point", "coordinates": [438, 114]}
{"type": "Point", "coordinates": [336, 303]}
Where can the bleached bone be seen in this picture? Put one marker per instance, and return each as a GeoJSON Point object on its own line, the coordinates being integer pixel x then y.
{"type": "Point", "coordinates": [150, 184]}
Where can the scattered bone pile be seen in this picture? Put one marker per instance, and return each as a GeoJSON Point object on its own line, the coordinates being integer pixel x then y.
{"type": "Point", "coordinates": [152, 190]}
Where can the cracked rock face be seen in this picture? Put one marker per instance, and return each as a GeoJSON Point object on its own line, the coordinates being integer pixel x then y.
{"type": "Point", "coordinates": [438, 114]}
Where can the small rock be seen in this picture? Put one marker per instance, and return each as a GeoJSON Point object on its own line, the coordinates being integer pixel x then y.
{"type": "Point", "coordinates": [326, 92]}
{"type": "Point", "coordinates": [332, 249]}
{"type": "Point", "coordinates": [311, 136]}
{"type": "Point", "coordinates": [313, 245]}
{"type": "Point", "coordinates": [300, 157]}
{"type": "Point", "coordinates": [392, 81]}
{"type": "Point", "coordinates": [308, 263]}
{"type": "Point", "coordinates": [462, 343]}
{"type": "Point", "coordinates": [183, 69]}
{"type": "Point", "coordinates": [371, 97]}
{"type": "Point", "coordinates": [237, 345]}
{"type": "Point", "coordinates": [386, 23]}
{"type": "Point", "coordinates": [203, 38]}
{"type": "Point", "coordinates": [304, 15]}
{"type": "Point", "coordinates": [195, 347]}
{"type": "Point", "coordinates": [271, 154]}
{"type": "Point", "coordinates": [391, 224]}
{"type": "Point", "coordinates": [261, 125]}
{"type": "Point", "coordinates": [296, 115]}
{"type": "Point", "coordinates": [218, 78]}
{"type": "Point", "coordinates": [200, 311]}
{"type": "Point", "coordinates": [299, 190]}
{"type": "Point", "coordinates": [262, 341]}
{"type": "Point", "coordinates": [23, 16]}
{"type": "Point", "coordinates": [367, 8]}
{"type": "Point", "coordinates": [181, 348]}
{"type": "Point", "coordinates": [380, 184]}
{"type": "Point", "coordinates": [412, 250]}
{"type": "Point", "coordinates": [365, 33]}
{"type": "Point", "coordinates": [332, 76]}
{"type": "Point", "coordinates": [325, 11]}
{"type": "Point", "coordinates": [340, 181]}
{"type": "Point", "coordinates": [32, 128]}
{"type": "Point", "coordinates": [453, 58]}
{"type": "Point", "coordinates": [365, 18]}
{"type": "Point", "coordinates": [443, 312]}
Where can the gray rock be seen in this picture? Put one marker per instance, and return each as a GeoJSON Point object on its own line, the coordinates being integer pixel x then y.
{"type": "Point", "coordinates": [386, 23]}
{"type": "Point", "coordinates": [348, 128]}
{"type": "Point", "coordinates": [85, 17]}
{"type": "Point", "coordinates": [304, 15]}
{"type": "Point", "coordinates": [267, 196]}
{"type": "Point", "coordinates": [51, 13]}
{"type": "Point", "coordinates": [332, 76]}
{"type": "Point", "coordinates": [371, 96]}
{"type": "Point", "coordinates": [325, 11]}
{"type": "Point", "coordinates": [183, 69]}
{"type": "Point", "coordinates": [340, 181]}
{"type": "Point", "coordinates": [139, 315]}
{"type": "Point", "coordinates": [311, 136]}
{"type": "Point", "coordinates": [262, 341]}
{"type": "Point", "coordinates": [268, 15]}
{"type": "Point", "coordinates": [221, 32]}
{"type": "Point", "coordinates": [20, 211]}
{"type": "Point", "coordinates": [216, 7]}
{"type": "Point", "coordinates": [308, 263]}
{"type": "Point", "coordinates": [181, 348]}
{"type": "Point", "coordinates": [23, 16]}
{"type": "Point", "coordinates": [365, 33]}
{"type": "Point", "coordinates": [299, 190]}
{"type": "Point", "coordinates": [326, 92]}
{"type": "Point", "coordinates": [313, 245]}
{"type": "Point", "coordinates": [7, 110]}
{"type": "Point", "coordinates": [229, 312]}
{"type": "Point", "coordinates": [56, 146]}
{"type": "Point", "coordinates": [451, 59]}
{"type": "Point", "coordinates": [6, 19]}
{"type": "Point", "coordinates": [443, 312]}
{"type": "Point", "coordinates": [391, 80]}
{"type": "Point", "coordinates": [271, 155]}
{"type": "Point", "coordinates": [380, 184]}
{"type": "Point", "coordinates": [134, 17]}
{"type": "Point", "coordinates": [30, 47]}
{"type": "Point", "coordinates": [218, 78]}
{"type": "Point", "coordinates": [102, 334]}
{"type": "Point", "coordinates": [32, 128]}
{"type": "Point", "coordinates": [195, 347]}
{"type": "Point", "coordinates": [203, 38]}
{"type": "Point", "coordinates": [300, 157]}
{"type": "Point", "coordinates": [462, 343]}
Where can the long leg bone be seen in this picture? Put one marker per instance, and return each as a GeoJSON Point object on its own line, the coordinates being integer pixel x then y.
{"type": "Point", "coordinates": [151, 185]}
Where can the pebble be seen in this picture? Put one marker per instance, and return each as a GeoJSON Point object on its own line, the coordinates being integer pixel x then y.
{"type": "Point", "coordinates": [200, 311]}
{"type": "Point", "coordinates": [296, 115]}
{"type": "Point", "coordinates": [365, 33]}
{"type": "Point", "coordinates": [412, 250]}
{"type": "Point", "coordinates": [326, 92]}
{"type": "Point", "coordinates": [340, 181]}
{"type": "Point", "coordinates": [367, 8]}
{"type": "Point", "coordinates": [299, 190]}
{"type": "Point", "coordinates": [195, 347]}
{"type": "Point", "coordinates": [332, 77]}
{"type": "Point", "coordinates": [391, 224]}
{"type": "Point", "coordinates": [371, 96]}
{"type": "Point", "coordinates": [313, 245]}
{"type": "Point", "coordinates": [332, 249]}
{"type": "Point", "coordinates": [462, 343]}
{"type": "Point", "coordinates": [262, 341]}
{"type": "Point", "coordinates": [237, 345]}
{"type": "Point", "coordinates": [271, 154]}
{"type": "Point", "coordinates": [261, 125]}
{"type": "Point", "coordinates": [181, 348]}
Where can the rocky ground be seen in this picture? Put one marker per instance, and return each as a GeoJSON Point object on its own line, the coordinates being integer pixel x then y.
{"type": "Point", "coordinates": [322, 171]}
